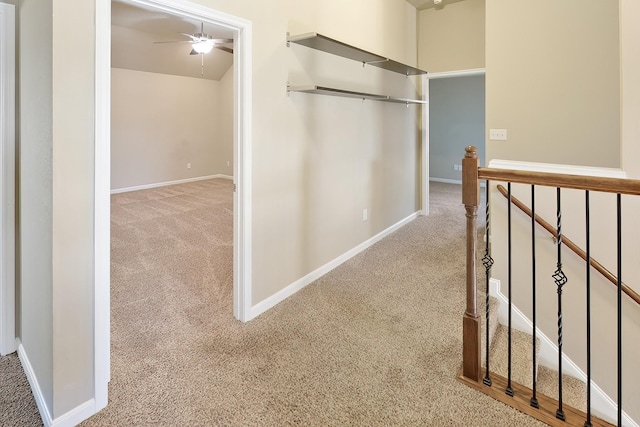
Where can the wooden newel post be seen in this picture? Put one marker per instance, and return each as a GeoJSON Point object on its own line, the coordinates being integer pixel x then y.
{"type": "Point", "coordinates": [471, 321]}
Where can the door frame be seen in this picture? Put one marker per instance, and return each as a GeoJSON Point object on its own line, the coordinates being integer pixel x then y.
{"type": "Point", "coordinates": [8, 342]}
{"type": "Point", "coordinates": [242, 134]}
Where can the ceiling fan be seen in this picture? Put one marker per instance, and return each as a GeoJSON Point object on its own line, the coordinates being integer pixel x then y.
{"type": "Point", "coordinates": [202, 42]}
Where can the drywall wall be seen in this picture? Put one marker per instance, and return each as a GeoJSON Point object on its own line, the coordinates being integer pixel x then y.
{"type": "Point", "coordinates": [553, 81]}
{"type": "Point", "coordinates": [73, 205]}
{"type": "Point", "coordinates": [630, 150]}
{"type": "Point", "coordinates": [630, 76]}
{"type": "Point", "coordinates": [456, 118]}
{"type": "Point", "coordinates": [36, 189]}
{"type": "Point", "coordinates": [603, 293]}
{"type": "Point", "coordinates": [160, 123]}
{"type": "Point", "coordinates": [317, 161]}
{"type": "Point", "coordinates": [557, 92]}
{"type": "Point", "coordinates": [452, 37]}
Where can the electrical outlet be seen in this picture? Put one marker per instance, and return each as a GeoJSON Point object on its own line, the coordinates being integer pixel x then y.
{"type": "Point", "coordinates": [188, 165]}
{"type": "Point", "coordinates": [455, 167]}
{"type": "Point", "coordinates": [228, 163]}
{"type": "Point", "coordinates": [498, 134]}
{"type": "Point", "coordinates": [365, 215]}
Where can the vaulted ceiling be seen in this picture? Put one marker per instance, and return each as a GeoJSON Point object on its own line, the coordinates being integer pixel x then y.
{"type": "Point", "coordinates": [135, 29]}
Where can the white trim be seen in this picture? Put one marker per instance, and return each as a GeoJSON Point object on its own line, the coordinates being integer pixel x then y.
{"type": "Point", "coordinates": [294, 287]}
{"type": "Point", "coordinates": [601, 404]}
{"type": "Point", "coordinates": [445, 180]}
{"type": "Point", "coordinates": [8, 343]}
{"type": "Point", "coordinates": [453, 181]}
{"type": "Point", "coordinates": [554, 168]}
{"type": "Point", "coordinates": [102, 201]}
{"type": "Point", "coordinates": [458, 73]}
{"type": "Point", "coordinates": [242, 158]}
{"type": "Point", "coordinates": [242, 136]}
{"type": "Point", "coordinates": [71, 418]}
{"type": "Point", "coordinates": [242, 162]}
{"type": "Point", "coordinates": [35, 386]}
{"type": "Point", "coordinates": [76, 415]}
{"type": "Point", "coordinates": [164, 184]}
{"type": "Point", "coordinates": [424, 137]}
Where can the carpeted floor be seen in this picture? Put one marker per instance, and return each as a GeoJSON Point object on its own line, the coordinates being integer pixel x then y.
{"type": "Point", "coordinates": [17, 405]}
{"type": "Point", "coordinates": [376, 342]}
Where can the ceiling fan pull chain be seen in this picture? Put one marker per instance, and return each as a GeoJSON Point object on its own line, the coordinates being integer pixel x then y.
{"type": "Point", "coordinates": [202, 65]}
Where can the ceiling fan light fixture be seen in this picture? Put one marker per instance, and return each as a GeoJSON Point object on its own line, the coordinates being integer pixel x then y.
{"type": "Point", "coordinates": [202, 47]}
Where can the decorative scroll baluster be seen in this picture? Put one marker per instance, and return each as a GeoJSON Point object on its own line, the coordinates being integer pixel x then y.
{"type": "Point", "coordinates": [619, 219]}
{"type": "Point", "coordinates": [487, 261]}
{"type": "Point", "coordinates": [587, 423]}
{"type": "Point", "coordinates": [534, 399]}
{"type": "Point", "coordinates": [560, 280]}
{"type": "Point", "coordinates": [509, 389]}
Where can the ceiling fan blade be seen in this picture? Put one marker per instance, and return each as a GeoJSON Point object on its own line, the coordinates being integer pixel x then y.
{"type": "Point", "coordinates": [174, 41]}
{"type": "Point", "coordinates": [193, 52]}
{"type": "Point", "coordinates": [191, 36]}
{"type": "Point", "coordinates": [222, 41]}
{"type": "Point", "coordinates": [226, 49]}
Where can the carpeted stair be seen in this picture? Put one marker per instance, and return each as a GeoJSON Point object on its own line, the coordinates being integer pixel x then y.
{"type": "Point", "coordinates": [574, 391]}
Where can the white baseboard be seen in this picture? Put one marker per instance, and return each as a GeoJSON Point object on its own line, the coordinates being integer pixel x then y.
{"type": "Point", "coordinates": [69, 419]}
{"type": "Point", "coordinates": [456, 73]}
{"type": "Point", "coordinates": [601, 404]}
{"type": "Point", "coordinates": [164, 184]}
{"type": "Point", "coordinates": [280, 296]}
{"type": "Point", "coordinates": [452, 181]}
{"type": "Point", "coordinates": [446, 180]}
{"type": "Point", "coordinates": [554, 168]}
{"type": "Point", "coordinates": [35, 387]}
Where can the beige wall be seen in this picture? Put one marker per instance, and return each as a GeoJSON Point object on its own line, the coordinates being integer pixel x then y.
{"type": "Point", "coordinates": [557, 92]}
{"type": "Point", "coordinates": [159, 123]}
{"type": "Point", "coordinates": [34, 152]}
{"type": "Point", "coordinates": [630, 83]}
{"type": "Point", "coordinates": [317, 161]}
{"type": "Point", "coordinates": [553, 81]}
{"type": "Point", "coordinates": [73, 190]}
{"type": "Point", "coordinates": [452, 37]}
{"type": "Point", "coordinates": [630, 150]}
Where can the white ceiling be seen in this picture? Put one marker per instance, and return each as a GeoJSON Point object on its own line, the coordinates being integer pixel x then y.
{"type": "Point", "coordinates": [134, 29]}
{"type": "Point", "coordinates": [428, 4]}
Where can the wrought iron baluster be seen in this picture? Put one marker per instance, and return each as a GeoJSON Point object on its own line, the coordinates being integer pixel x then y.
{"type": "Point", "coordinates": [587, 423]}
{"type": "Point", "coordinates": [509, 389]}
{"type": "Point", "coordinates": [619, 218]}
{"type": "Point", "coordinates": [487, 261]}
{"type": "Point", "coordinates": [534, 399]}
{"type": "Point", "coordinates": [560, 280]}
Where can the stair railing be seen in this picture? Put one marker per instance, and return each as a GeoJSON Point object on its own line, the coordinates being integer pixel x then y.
{"type": "Point", "coordinates": [571, 245]}
{"type": "Point", "coordinates": [527, 400]}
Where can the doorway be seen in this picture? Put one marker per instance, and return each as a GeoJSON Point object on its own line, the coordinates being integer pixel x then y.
{"type": "Point", "coordinates": [242, 131]}
{"type": "Point", "coordinates": [456, 120]}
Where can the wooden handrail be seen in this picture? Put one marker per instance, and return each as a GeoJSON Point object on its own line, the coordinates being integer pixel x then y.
{"type": "Point", "coordinates": [571, 245]}
{"type": "Point", "coordinates": [579, 182]}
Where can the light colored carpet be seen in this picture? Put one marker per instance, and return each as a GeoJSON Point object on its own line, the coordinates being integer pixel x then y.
{"type": "Point", "coordinates": [17, 405]}
{"type": "Point", "coordinates": [375, 342]}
